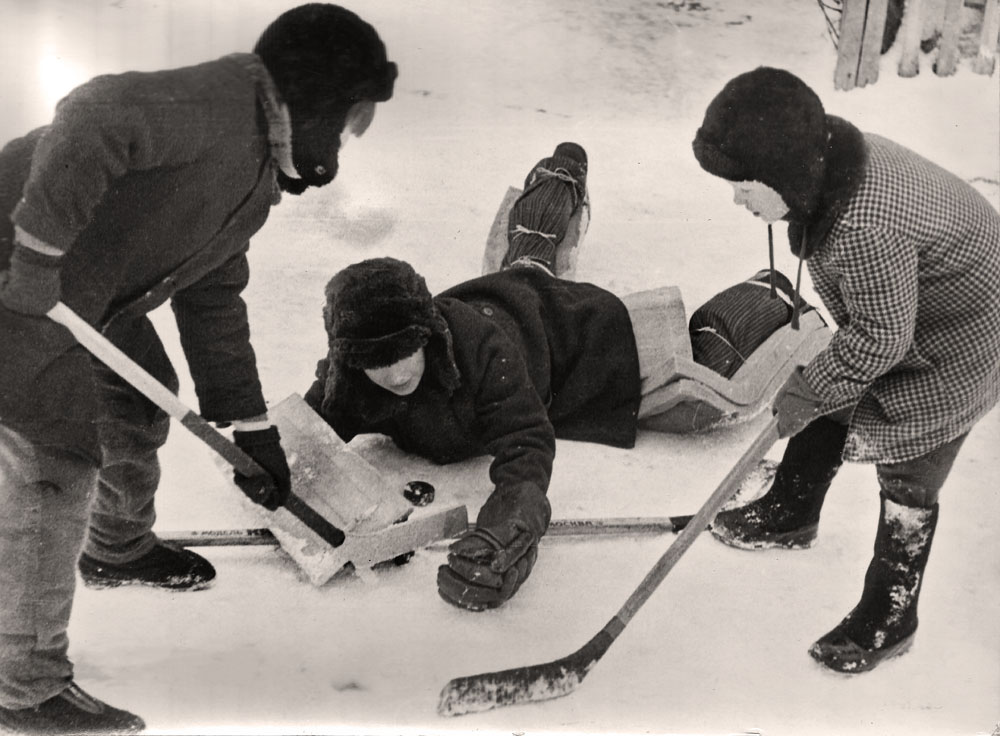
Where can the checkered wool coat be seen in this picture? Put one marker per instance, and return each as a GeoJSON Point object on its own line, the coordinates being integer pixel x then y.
{"type": "Point", "coordinates": [908, 263]}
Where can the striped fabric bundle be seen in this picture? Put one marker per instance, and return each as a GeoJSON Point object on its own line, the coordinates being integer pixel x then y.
{"type": "Point", "coordinates": [727, 328]}
{"type": "Point", "coordinates": [554, 190]}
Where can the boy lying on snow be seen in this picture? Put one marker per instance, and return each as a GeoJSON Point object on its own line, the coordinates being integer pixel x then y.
{"type": "Point", "coordinates": [501, 364]}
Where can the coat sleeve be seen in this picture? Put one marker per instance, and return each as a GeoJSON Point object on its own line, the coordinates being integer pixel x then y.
{"type": "Point", "coordinates": [516, 430]}
{"type": "Point", "coordinates": [100, 131]}
{"type": "Point", "coordinates": [878, 286]}
{"type": "Point", "coordinates": [215, 335]}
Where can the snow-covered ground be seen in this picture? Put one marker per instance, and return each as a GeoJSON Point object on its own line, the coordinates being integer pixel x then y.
{"type": "Point", "coordinates": [487, 88]}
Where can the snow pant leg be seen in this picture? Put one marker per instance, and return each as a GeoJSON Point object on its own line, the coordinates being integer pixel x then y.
{"type": "Point", "coordinates": [918, 482]}
{"type": "Point", "coordinates": [132, 433]}
{"type": "Point", "coordinates": [45, 494]}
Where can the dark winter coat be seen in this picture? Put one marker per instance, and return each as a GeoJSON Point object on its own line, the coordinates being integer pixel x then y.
{"type": "Point", "coordinates": [526, 358]}
{"type": "Point", "coordinates": [152, 184]}
{"type": "Point", "coordinates": [906, 257]}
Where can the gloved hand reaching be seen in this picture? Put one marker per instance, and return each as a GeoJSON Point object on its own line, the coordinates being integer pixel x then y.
{"type": "Point", "coordinates": [31, 285]}
{"type": "Point", "coordinates": [488, 565]}
{"type": "Point", "coordinates": [270, 490]}
{"type": "Point", "coordinates": [796, 405]}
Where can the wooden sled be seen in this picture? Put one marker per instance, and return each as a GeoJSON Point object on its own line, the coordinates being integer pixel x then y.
{"type": "Point", "coordinates": [566, 252]}
{"type": "Point", "coordinates": [378, 522]}
{"type": "Point", "coordinates": [693, 397]}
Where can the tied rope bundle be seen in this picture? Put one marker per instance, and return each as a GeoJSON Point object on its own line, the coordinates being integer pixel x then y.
{"type": "Point", "coordinates": [553, 192]}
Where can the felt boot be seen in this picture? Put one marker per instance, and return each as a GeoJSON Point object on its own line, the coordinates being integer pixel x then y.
{"type": "Point", "coordinates": [884, 622]}
{"type": "Point", "coordinates": [788, 514]}
{"type": "Point", "coordinates": [164, 566]}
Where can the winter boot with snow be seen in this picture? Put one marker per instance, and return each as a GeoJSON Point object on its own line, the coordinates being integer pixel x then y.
{"type": "Point", "coordinates": [883, 624]}
{"type": "Point", "coordinates": [70, 712]}
{"type": "Point", "coordinates": [165, 566]}
{"type": "Point", "coordinates": [555, 192]}
{"type": "Point", "coordinates": [788, 514]}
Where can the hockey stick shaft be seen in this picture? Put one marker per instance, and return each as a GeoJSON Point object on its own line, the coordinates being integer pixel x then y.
{"type": "Point", "coordinates": [588, 527]}
{"type": "Point", "coordinates": [560, 677]}
{"type": "Point", "coordinates": [130, 371]}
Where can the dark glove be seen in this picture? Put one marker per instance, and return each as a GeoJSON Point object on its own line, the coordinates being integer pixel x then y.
{"type": "Point", "coordinates": [796, 405]}
{"type": "Point", "coordinates": [487, 566]}
{"type": "Point", "coordinates": [270, 490]}
{"type": "Point", "coordinates": [31, 285]}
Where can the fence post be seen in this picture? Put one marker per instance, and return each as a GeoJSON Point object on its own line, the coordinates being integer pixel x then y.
{"type": "Point", "coordinates": [909, 60]}
{"type": "Point", "coordinates": [947, 59]}
{"type": "Point", "coordinates": [859, 48]}
{"type": "Point", "coordinates": [985, 60]}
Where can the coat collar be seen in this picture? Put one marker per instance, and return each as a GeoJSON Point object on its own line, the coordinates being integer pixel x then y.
{"type": "Point", "coordinates": [276, 115]}
{"type": "Point", "coordinates": [846, 157]}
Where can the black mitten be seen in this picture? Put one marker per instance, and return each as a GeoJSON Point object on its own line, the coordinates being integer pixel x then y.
{"type": "Point", "coordinates": [270, 490]}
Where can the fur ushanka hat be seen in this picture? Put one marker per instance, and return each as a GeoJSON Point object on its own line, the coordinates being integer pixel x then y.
{"type": "Point", "coordinates": [767, 125]}
{"type": "Point", "coordinates": [378, 312]}
{"type": "Point", "coordinates": [321, 55]}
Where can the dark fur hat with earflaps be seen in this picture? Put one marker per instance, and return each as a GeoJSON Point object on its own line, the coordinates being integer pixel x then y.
{"type": "Point", "coordinates": [767, 125]}
{"type": "Point", "coordinates": [378, 312]}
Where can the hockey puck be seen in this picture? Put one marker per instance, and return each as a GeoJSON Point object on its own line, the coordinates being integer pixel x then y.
{"type": "Point", "coordinates": [418, 492]}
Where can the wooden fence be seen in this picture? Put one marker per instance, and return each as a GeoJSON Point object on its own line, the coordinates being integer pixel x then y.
{"type": "Point", "coordinates": [862, 25]}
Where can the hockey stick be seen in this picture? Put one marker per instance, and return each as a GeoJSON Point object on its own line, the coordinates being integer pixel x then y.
{"type": "Point", "coordinates": [130, 371]}
{"type": "Point", "coordinates": [534, 683]}
{"type": "Point", "coordinates": [599, 527]}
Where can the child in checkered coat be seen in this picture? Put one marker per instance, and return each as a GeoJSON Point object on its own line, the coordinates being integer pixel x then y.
{"type": "Point", "coordinates": [906, 258]}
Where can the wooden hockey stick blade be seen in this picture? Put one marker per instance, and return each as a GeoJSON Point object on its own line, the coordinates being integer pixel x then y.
{"type": "Point", "coordinates": [587, 527]}
{"type": "Point", "coordinates": [534, 683]}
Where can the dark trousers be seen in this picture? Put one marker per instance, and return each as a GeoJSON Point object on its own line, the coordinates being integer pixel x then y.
{"type": "Point", "coordinates": [55, 502]}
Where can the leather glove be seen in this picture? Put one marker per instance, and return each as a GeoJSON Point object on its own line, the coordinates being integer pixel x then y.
{"type": "Point", "coordinates": [30, 286]}
{"type": "Point", "coordinates": [796, 405]}
{"type": "Point", "coordinates": [264, 446]}
{"type": "Point", "coordinates": [487, 565]}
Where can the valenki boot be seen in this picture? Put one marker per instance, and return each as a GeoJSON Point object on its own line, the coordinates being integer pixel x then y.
{"type": "Point", "coordinates": [166, 565]}
{"type": "Point", "coordinates": [884, 622]}
{"type": "Point", "coordinates": [788, 514]}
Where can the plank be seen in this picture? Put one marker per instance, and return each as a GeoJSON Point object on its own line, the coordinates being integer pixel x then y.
{"type": "Point", "coordinates": [985, 60]}
{"type": "Point", "coordinates": [849, 45]}
{"type": "Point", "coordinates": [947, 59]}
{"type": "Point", "coordinates": [911, 32]}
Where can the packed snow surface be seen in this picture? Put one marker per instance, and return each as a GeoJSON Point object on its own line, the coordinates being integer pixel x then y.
{"type": "Point", "coordinates": [485, 90]}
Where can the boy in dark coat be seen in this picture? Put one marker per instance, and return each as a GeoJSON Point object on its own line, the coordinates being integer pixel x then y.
{"type": "Point", "coordinates": [499, 365]}
{"type": "Point", "coordinates": [144, 188]}
{"type": "Point", "coordinates": [906, 257]}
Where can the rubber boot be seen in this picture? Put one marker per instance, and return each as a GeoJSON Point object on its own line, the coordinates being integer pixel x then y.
{"type": "Point", "coordinates": [788, 514]}
{"type": "Point", "coordinates": [554, 192]}
{"type": "Point", "coordinates": [70, 712]}
{"type": "Point", "coordinates": [883, 624]}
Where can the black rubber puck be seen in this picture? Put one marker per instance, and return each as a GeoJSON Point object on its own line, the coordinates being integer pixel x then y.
{"type": "Point", "coordinates": [418, 492]}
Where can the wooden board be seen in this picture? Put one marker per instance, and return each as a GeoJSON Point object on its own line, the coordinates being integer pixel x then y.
{"type": "Point", "coordinates": [947, 59]}
{"type": "Point", "coordinates": [859, 48]}
{"type": "Point", "coordinates": [985, 61]}
{"type": "Point", "coordinates": [694, 398]}
{"type": "Point", "coordinates": [349, 493]}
